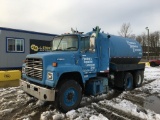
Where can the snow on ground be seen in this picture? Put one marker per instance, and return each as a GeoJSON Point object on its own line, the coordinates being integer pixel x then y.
{"type": "Point", "coordinates": [16, 105]}
{"type": "Point", "coordinates": [131, 108]}
{"type": "Point", "coordinates": [152, 73]}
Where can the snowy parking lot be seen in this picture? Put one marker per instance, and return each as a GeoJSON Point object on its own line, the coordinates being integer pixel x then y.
{"type": "Point", "coordinates": [139, 104]}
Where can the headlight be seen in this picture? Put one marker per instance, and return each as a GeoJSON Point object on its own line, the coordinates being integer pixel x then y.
{"type": "Point", "coordinates": [23, 70]}
{"type": "Point", "coordinates": [50, 76]}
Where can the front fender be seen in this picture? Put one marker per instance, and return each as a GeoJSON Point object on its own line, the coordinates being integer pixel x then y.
{"type": "Point", "coordinates": [59, 70]}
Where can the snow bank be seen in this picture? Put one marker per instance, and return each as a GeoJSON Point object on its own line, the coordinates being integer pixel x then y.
{"type": "Point", "coordinates": [99, 117]}
{"type": "Point", "coordinates": [151, 73]}
{"type": "Point", "coordinates": [131, 108]}
{"type": "Point", "coordinates": [6, 111]}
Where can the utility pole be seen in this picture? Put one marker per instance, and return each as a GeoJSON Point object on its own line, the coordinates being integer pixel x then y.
{"type": "Point", "coordinates": [148, 42]}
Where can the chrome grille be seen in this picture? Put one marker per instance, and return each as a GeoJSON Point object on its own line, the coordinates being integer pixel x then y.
{"type": "Point", "coordinates": [34, 68]}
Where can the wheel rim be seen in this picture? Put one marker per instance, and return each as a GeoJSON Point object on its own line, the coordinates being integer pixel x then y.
{"type": "Point", "coordinates": [139, 79]}
{"type": "Point", "coordinates": [129, 84]}
{"type": "Point", "coordinates": [70, 97]}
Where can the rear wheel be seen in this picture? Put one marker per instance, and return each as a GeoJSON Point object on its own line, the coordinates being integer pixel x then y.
{"type": "Point", "coordinates": [128, 81]}
{"type": "Point", "coordinates": [138, 78]}
{"type": "Point", "coordinates": [69, 96]}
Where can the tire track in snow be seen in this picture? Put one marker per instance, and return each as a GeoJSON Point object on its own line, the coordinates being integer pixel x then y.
{"type": "Point", "coordinates": [134, 99]}
{"type": "Point", "coordinates": [108, 113]}
{"type": "Point", "coordinates": [114, 113]}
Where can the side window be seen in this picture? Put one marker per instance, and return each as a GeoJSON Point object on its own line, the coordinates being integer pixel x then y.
{"type": "Point", "coordinates": [92, 42]}
{"type": "Point", "coordinates": [15, 45]}
{"type": "Point", "coordinates": [84, 43]}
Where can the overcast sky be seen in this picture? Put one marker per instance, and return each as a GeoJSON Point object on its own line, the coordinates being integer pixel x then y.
{"type": "Point", "coordinates": [58, 16]}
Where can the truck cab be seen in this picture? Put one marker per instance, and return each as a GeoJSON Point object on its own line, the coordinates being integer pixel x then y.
{"type": "Point", "coordinates": [74, 59]}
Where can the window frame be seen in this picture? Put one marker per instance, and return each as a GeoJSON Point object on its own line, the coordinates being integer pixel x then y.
{"type": "Point", "coordinates": [16, 39]}
{"type": "Point", "coordinates": [89, 49]}
{"type": "Point", "coordinates": [66, 42]}
{"type": "Point", "coordinates": [84, 43]}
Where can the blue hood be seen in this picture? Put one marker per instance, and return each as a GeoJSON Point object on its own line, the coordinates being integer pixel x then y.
{"type": "Point", "coordinates": [57, 56]}
{"type": "Point", "coordinates": [61, 58]}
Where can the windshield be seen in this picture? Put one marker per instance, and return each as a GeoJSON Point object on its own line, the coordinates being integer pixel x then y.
{"type": "Point", "coordinates": [64, 43]}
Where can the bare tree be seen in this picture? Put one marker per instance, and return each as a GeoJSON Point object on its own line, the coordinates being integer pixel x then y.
{"type": "Point", "coordinates": [142, 39]}
{"type": "Point", "coordinates": [125, 30]}
{"type": "Point", "coordinates": [154, 43]}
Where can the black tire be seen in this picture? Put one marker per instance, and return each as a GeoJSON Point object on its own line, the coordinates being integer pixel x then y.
{"type": "Point", "coordinates": [152, 64]}
{"type": "Point", "coordinates": [128, 81]}
{"type": "Point", "coordinates": [138, 78]}
{"type": "Point", "coordinates": [69, 96]}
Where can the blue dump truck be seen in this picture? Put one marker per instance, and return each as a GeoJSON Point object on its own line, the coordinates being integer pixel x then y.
{"type": "Point", "coordinates": [82, 64]}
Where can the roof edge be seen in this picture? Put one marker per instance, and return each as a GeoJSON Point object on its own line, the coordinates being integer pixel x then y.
{"type": "Point", "coordinates": [26, 31]}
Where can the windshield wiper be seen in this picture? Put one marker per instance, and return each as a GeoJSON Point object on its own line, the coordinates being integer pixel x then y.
{"type": "Point", "coordinates": [59, 43]}
{"type": "Point", "coordinates": [71, 48]}
{"type": "Point", "coordinates": [58, 49]}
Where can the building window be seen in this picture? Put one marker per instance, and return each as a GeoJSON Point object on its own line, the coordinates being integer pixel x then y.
{"type": "Point", "coordinates": [15, 45]}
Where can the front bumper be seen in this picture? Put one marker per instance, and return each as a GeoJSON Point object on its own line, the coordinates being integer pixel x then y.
{"type": "Point", "coordinates": [37, 91]}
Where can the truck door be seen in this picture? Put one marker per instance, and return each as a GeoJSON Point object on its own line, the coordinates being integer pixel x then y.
{"type": "Point", "coordinates": [88, 55]}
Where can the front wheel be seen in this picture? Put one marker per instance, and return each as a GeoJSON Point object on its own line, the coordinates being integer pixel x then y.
{"type": "Point", "coordinates": [69, 96]}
